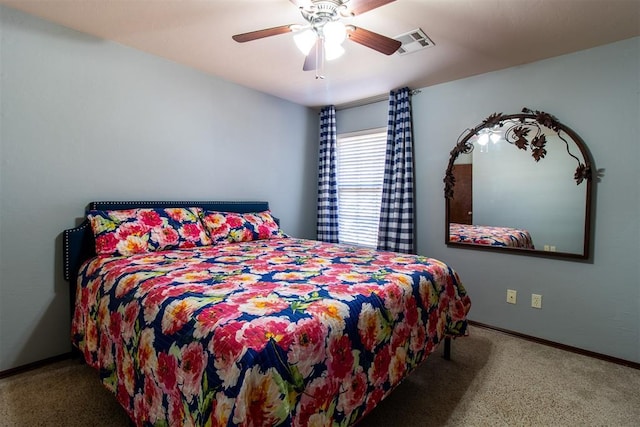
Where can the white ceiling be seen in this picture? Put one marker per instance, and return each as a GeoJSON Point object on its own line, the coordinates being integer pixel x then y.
{"type": "Point", "coordinates": [470, 36]}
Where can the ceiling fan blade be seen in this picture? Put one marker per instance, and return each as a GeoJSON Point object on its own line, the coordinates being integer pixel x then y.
{"type": "Point", "coordinates": [373, 40]}
{"type": "Point", "coordinates": [310, 62]}
{"type": "Point", "coordinates": [267, 32]}
{"type": "Point", "coordinates": [358, 7]}
{"type": "Point", "coordinates": [314, 58]}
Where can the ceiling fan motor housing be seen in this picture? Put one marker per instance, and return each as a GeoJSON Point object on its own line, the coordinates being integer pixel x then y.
{"type": "Point", "coordinates": [322, 11]}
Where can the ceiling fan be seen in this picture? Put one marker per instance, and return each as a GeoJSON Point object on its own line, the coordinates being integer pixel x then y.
{"type": "Point", "coordinates": [322, 36]}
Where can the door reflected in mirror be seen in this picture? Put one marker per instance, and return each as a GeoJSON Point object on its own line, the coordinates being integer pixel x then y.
{"type": "Point", "coordinates": [520, 183]}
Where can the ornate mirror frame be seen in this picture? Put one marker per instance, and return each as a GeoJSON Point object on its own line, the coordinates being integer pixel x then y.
{"type": "Point", "coordinates": [528, 131]}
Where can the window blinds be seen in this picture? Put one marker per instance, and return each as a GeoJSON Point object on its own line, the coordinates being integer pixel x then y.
{"type": "Point", "coordinates": [360, 172]}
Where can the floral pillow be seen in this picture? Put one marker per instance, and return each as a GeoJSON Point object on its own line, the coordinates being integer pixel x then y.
{"type": "Point", "coordinates": [133, 231]}
{"type": "Point", "coordinates": [229, 227]}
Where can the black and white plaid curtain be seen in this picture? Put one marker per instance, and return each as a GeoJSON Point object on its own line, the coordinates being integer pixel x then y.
{"type": "Point", "coordinates": [327, 225]}
{"type": "Point", "coordinates": [396, 214]}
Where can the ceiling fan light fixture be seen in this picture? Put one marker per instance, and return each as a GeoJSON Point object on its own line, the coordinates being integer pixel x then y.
{"type": "Point", "coordinates": [305, 40]}
{"type": "Point", "coordinates": [333, 51]}
{"type": "Point", "coordinates": [334, 32]}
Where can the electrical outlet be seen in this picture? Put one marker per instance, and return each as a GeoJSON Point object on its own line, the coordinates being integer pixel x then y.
{"type": "Point", "coordinates": [511, 296]}
{"type": "Point", "coordinates": [547, 248]}
{"type": "Point", "coordinates": [552, 248]}
{"type": "Point", "coordinates": [536, 301]}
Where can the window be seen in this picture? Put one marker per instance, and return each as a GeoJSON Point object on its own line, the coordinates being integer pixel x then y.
{"type": "Point", "coordinates": [360, 173]}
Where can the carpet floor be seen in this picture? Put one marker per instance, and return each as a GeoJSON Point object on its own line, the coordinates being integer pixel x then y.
{"type": "Point", "coordinates": [493, 379]}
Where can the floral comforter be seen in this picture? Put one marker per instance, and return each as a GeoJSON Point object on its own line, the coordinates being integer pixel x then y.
{"type": "Point", "coordinates": [491, 236]}
{"type": "Point", "coordinates": [278, 331]}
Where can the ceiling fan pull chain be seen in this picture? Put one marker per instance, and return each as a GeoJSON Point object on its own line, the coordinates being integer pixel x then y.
{"type": "Point", "coordinates": [320, 59]}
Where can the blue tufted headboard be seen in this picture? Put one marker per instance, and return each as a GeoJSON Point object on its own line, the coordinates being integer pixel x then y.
{"type": "Point", "coordinates": [79, 245]}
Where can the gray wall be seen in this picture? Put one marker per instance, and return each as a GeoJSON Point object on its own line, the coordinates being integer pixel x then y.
{"type": "Point", "coordinates": [593, 306]}
{"type": "Point", "coordinates": [85, 119]}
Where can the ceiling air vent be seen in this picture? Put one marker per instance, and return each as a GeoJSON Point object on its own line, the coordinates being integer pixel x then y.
{"type": "Point", "coordinates": [413, 41]}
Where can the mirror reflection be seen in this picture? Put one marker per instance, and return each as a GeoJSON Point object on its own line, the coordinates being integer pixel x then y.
{"type": "Point", "coordinates": [520, 182]}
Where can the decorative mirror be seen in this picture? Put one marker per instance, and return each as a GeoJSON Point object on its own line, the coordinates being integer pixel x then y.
{"type": "Point", "coordinates": [520, 183]}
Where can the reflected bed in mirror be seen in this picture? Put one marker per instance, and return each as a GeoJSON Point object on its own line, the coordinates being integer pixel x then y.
{"type": "Point", "coordinates": [520, 183]}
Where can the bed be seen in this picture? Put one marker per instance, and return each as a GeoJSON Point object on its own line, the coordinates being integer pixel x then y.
{"type": "Point", "coordinates": [214, 324]}
{"type": "Point", "coordinates": [490, 236]}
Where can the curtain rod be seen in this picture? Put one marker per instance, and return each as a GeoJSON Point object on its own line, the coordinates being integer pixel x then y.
{"type": "Point", "coordinates": [370, 100]}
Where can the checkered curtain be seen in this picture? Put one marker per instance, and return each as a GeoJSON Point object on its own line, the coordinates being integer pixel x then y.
{"type": "Point", "coordinates": [396, 214]}
{"type": "Point", "coordinates": [327, 225]}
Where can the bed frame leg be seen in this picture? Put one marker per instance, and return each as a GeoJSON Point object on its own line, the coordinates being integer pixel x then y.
{"type": "Point", "coordinates": [447, 348]}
